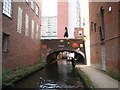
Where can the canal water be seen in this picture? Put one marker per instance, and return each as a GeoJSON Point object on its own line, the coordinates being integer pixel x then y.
{"type": "Point", "coordinates": [56, 76]}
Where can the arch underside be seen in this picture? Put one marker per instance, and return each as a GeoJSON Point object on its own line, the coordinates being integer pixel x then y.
{"type": "Point", "coordinates": [52, 56]}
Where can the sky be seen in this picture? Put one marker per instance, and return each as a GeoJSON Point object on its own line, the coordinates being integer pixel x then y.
{"type": "Point", "coordinates": [49, 7]}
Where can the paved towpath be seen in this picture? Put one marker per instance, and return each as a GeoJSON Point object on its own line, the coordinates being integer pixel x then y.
{"type": "Point", "coordinates": [98, 78]}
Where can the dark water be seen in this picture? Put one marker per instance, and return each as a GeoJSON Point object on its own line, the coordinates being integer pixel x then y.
{"type": "Point", "coordinates": [60, 75]}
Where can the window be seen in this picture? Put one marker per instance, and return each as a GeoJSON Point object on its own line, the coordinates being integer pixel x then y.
{"type": "Point", "coordinates": [37, 10]}
{"type": "Point", "coordinates": [7, 7]}
{"type": "Point", "coordinates": [32, 34]}
{"type": "Point", "coordinates": [19, 23]}
{"type": "Point", "coordinates": [37, 31]}
{"type": "Point", "coordinates": [32, 4]}
{"type": "Point", "coordinates": [101, 34]}
{"type": "Point", "coordinates": [40, 34]}
{"type": "Point", "coordinates": [95, 27]}
{"type": "Point", "coordinates": [84, 21]}
{"type": "Point", "coordinates": [27, 1]}
{"type": "Point", "coordinates": [5, 42]}
{"type": "Point", "coordinates": [102, 31]}
{"type": "Point", "coordinates": [80, 33]}
{"type": "Point", "coordinates": [26, 25]}
{"type": "Point", "coordinates": [54, 32]}
{"type": "Point", "coordinates": [91, 27]}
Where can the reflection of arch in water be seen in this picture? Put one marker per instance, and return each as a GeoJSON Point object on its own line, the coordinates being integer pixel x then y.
{"type": "Point", "coordinates": [79, 56]}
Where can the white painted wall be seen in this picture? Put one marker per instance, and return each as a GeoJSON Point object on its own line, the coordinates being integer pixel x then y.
{"type": "Point", "coordinates": [49, 27]}
{"type": "Point", "coordinates": [85, 14]}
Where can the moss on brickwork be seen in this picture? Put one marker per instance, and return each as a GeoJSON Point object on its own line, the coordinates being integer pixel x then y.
{"type": "Point", "coordinates": [9, 77]}
{"type": "Point", "coordinates": [86, 79]}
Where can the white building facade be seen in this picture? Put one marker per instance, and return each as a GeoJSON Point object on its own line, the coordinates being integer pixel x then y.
{"type": "Point", "coordinates": [49, 27]}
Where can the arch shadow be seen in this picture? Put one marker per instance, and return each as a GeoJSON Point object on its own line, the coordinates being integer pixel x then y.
{"type": "Point", "coordinates": [52, 56]}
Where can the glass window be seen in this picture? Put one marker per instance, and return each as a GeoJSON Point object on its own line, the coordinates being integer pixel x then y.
{"type": "Point", "coordinates": [37, 10]}
{"type": "Point", "coordinates": [37, 33]}
{"type": "Point", "coordinates": [5, 42]}
{"type": "Point", "coordinates": [91, 27]}
{"type": "Point", "coordinates": [7, 7]}
{"type": "Point", "coordinates": [26, 24]}
{"type": "Point", "coordinates": [40, 32]}
{"type": "Point", "coordinates": [80, 33]}
{"type": "Point", "coordinates": [102, 30]}
{"type": "Point", "coordinates": [27, 0]}
{"type": "Point", "coordinates": [19, 23]}
{"type": "Point", "coordinates": [32, 34]}
{"type": "Point", "coordinates": [32, 4]}
{"type": "Point", "coordinates": [95, 27]}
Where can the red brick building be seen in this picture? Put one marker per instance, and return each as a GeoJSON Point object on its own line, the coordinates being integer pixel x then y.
{"type": "Point", "coordinates": [21, 33]}
{"type": "Point", "coordinates": [62, 18]}
{"type": "Point", "coordinates": [105, 35]}
{"type": "Point", "coordinates": [79, 33]}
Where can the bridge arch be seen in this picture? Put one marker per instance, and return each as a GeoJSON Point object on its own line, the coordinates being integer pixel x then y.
{"type": "Point", "coordinates": [79, 56]}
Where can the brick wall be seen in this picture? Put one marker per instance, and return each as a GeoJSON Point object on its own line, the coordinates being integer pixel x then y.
{"type": "Point", "coordinates": [77, 32]}
{"type": "Point", "coordinates": [22, 50]}
{"type": "Point", "coordinates": [111, 35]}
{"type": "Point", "coordinates": [49, 45]}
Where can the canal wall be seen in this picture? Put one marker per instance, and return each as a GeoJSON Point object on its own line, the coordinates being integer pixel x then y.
{"type": "Point", "coordinates": [12, 76]}
{"type": "Point", "coordinates": [89, 84]}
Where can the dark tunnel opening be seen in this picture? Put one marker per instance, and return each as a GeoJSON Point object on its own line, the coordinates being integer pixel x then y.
{"type": "Point", "coordinates": [53, 56]}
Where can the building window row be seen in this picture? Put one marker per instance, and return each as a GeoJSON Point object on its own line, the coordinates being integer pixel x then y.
{"type": "Point", "coordinates": [35, 7]}
{"type": "Point", "coordinates": [7, 10]}
{"type": "Point", "coordinates": [19, 25]}
{"type": "Point", "coordinates": [101, 29]}
{"type": "Point", "coordinates": [7, 7]}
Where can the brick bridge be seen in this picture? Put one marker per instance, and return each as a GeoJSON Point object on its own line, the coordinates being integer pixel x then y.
{"type": "Point", "coordinates": [50, 48]}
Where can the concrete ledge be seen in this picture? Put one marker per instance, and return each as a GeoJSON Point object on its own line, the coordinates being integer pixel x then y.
{"type": "Point", "coordinates": [97, 78]}
{"type": "Point", "coordinates": [85, 78]}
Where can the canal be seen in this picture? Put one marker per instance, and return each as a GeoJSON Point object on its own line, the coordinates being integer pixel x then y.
{"type": "Point", "coordinates": [59, 75]}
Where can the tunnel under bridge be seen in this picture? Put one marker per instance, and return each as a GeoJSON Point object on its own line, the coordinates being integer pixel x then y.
{"type": "Point", "coordinates": [51, 48]}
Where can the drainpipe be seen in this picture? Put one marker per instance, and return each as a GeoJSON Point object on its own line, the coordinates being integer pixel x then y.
{"type": "Point", "coordinates": [0, 45]}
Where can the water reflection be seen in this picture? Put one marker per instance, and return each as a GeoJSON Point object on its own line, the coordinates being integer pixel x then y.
{"type": "Point", "coordinates": [55, 76]}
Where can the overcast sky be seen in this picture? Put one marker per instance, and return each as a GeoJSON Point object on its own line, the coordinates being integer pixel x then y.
{"type": "Point", "coordinates": [49, 7]}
